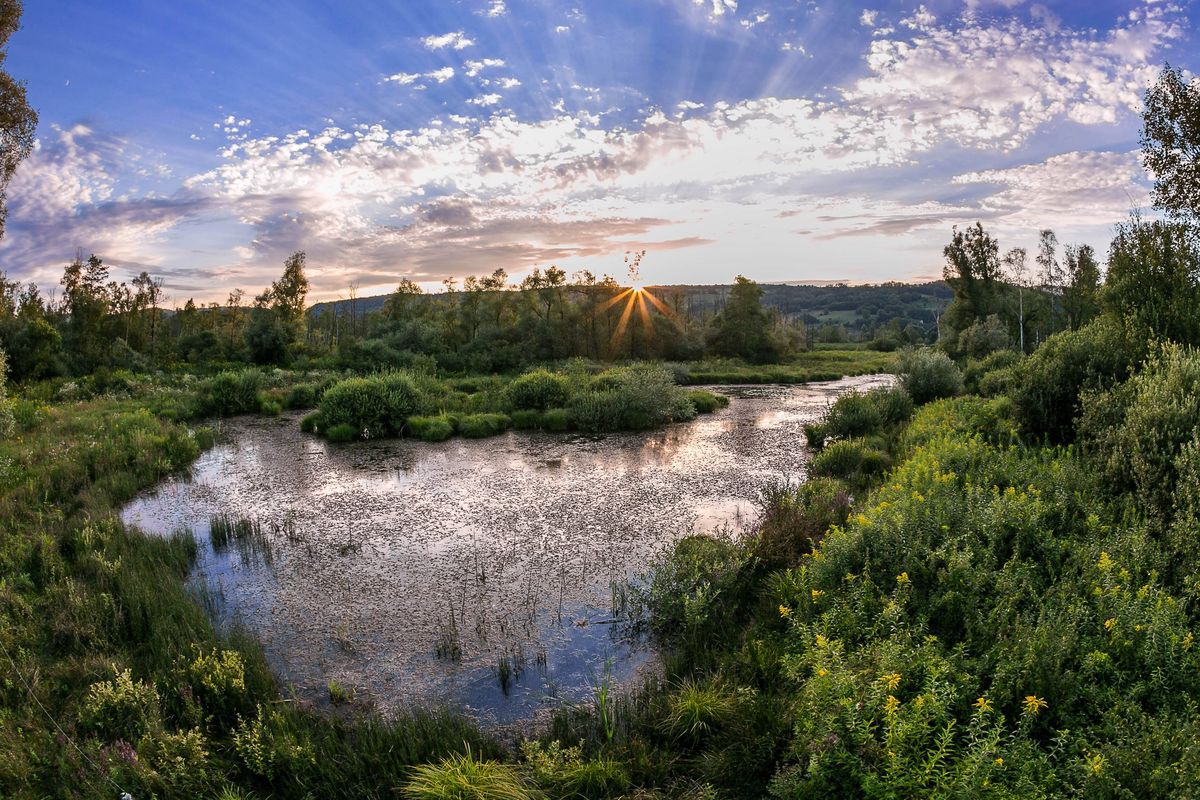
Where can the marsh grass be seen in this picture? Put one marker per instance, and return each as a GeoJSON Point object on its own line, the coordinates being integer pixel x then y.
{"type": "Point", "coordinates": [465, 777]}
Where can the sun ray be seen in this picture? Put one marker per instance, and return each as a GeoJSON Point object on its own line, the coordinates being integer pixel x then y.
{"type": "Point", "coordinates": [643, 312]}
{"type": "Point", "coordinates": [612, 301]}
{"type": "Point", "coordinates": [662, 307]}
{"type": "Point", "coordinates": [622, 324]}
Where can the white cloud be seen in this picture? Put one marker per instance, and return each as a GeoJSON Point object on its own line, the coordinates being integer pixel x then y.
{"type": "Point", "coordinates": [718, 8]}
{"type": "Point", "coordinates": [561, 28]}
{"type": "Point", "coordinates": [485, 100]}
{"type": "Point", "coordinates": [441, 75]}
{"type": "Point", "coordinates": [473, 68]}
{"type": "Point", "coordinates": [403, 78]}
{"type": "Point", "coordinates": [496, 8]}
{"type": "Point", "coordinates": [456, 40]}
{"type": "Point", "coordinates": [1071, 189]}
{"type": "Point", "coordinates": [689, 105]}
{"type": "Point", "coordinates": [868, 17]}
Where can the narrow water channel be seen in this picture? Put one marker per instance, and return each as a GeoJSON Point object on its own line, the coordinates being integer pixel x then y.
{"type": "Point", "coordinates": [410, 571]}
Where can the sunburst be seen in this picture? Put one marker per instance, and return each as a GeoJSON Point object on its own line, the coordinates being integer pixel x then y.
{"type": "Point", "coordinates": [637, 297]}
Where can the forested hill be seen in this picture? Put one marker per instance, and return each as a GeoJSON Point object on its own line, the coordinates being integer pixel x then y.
{"type": "Point", "coordinates": [853, 308]}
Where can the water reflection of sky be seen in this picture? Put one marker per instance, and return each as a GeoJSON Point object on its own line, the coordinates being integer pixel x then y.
{"type": "Point", "coordinates": [376, 546]}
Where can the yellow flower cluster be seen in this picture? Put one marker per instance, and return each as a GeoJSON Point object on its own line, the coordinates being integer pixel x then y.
{"type": "Point", "coordinates": [891, 704]}
{"type": "Point", "coordinates": [784, 611]}
{"type": "Point", "coordinates": [890, 681]}
{"type": "Point", "coordinates": [1034, 704]}
{"type": "Point", "coordinates": [983, 704]}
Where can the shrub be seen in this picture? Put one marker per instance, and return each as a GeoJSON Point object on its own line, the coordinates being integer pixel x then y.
{"type": "Point", "coordinates": [1138, 431]}
{"type": "Point", "coordinates": [270, 408]}
{"type": "Point", "coordinates": [706, 402]}
{"type": "Point", "coordinates": [121, 708]}
{"type": "Point", "coordinates": [961, 417]}
{"type": "Point", "coordinates": [557, 420]}
{"type": "Point", "coordinates": [229, 393]}
{"type": "Point", "coordinates": [218, 680]}
{"type": "Point", "coordinates": [851, 460]}
{"type": "Point", "coordinates": [929, 375]}
{"type": "Point", "coordinates": [374, 406]}
{"type": "Point", "coordinates": [1048, 388]}
{"type": "Point", "coordinates": [679, 598]}
{"type": "Point", "coordinates": [463, 777]}
{"type": "Point", "coordinates": [852, 415]}
{"type": "Point", "coordinates": [984, 337]}
{"type": "Point", "coordinates": [180, 761]}
{"type": "Point", "coordinates": [312, 423]}
{"type": "Point", "coordinates": [630, 398]}
{"type": "Point", "coordinates": [303, 395]}
{"type": "Point", "coordinates": [341, 433]}
{"type": "Point", "coordinates": [794, 518]}
{"type": "Point", "coordinates": [526, 419]}
{"type": "Point", "coordinates": [7, 420]}
{"type": "Point", "coordinates": [480, 426]}
{"type": "Point", "coordinates": [979, 370]}
{"type": "Point", "coordinates": [539, 390]}
{"type": "Point", "coordinates": [431, 429]}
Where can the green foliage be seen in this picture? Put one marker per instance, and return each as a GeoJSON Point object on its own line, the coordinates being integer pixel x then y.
{"type": "Point", "coordinates": [374, 407]}
{"type": "Point", "coordinates": [7, 420]}
{"type": "Point", "coordinates": [706, 402]}
{"type": "Point", "coordinates": [680, 598]}
{"type": "Point", "coordinates": [1153, 281]}
{"type": "Point", "coordinates": [695, 710]}
{"type": "Point", "coordinates": [1170, 141]}
{"type": "Point", "coordinates": [267, 747]}
{"type": "Point", "coordinates": [480, 426]}
{"type": "Point", "coordinates": [539, 390]}
{"type": "Point", "coordinates": [341, 433]}
{"type": "Point", "coordinates": [217, 680]}
{"type": "Point", "coordinates": [961, 417]}
{"type": "Point", "coordinates": [992, 374]}
{"type": "Point", "coordinates": [464, 777]}
{"type": "Point", "coordinates": [120, 708]}
{"type": "Point", "coordinates": [229, 393]}
{"type": "Point", "coordinates": [303, 395]}
{"type": "Point", "coordinates": [1048, 388]}
{"type": "Point", "coordinates": [929, 375]}
{"type": "Point", "coordinates": [852, 460]}
{"type": "Point", "coordinates": [630, 398]}
{"type": "Point", "coordinates": [795, 518]}
{"type": "Point", "coordinates": [744, 329]}
{"type": "Point", "coordinates": [179, 763]}
{"type": "Point", "coordinates": [1138, 431]}
{"type": "Point", "coordinates": [557, 420]}
{"type": "Point", "coordinates": [431, 429]}
{"type": "Point", "coordinates": [983, 337]}
{"type": "Point", "coordinates": [312, 423]}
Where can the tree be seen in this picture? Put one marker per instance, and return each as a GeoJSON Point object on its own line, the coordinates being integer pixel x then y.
{"type": "Point", "coordinates": [288, 295]}
{"type": "Point", "coordinates": [1171, 143]}
{"type": "Point", "coordinates": [972, 270]}
{"type": "Point", "coordinates": [1014, 266]}
{"type": "Point", "coordinates": [1080, 296]}
{"type": "Point", "coordinates": [743, 329]}
{"type": "Point", "coordinates": [18, 122]}
{"type": "Point", "coordinates": [1154, 279]}
{"type": "Point", "coordinates": [1047, 259]}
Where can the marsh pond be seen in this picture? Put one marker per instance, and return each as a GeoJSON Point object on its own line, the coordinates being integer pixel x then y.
{"type": "Point", "coordinates": [474, 574]}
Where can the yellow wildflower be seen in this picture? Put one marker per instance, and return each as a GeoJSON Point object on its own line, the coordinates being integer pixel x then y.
{"type": "Point", "coordinates": [902, 578]}
{"type": "Point", "coordinates": [1109, 624]}
{"type": "Point", "coordinates": [816, 593]}
{"type": "Point", "coordinates": [1034, 704]}
{"type": "Point", "coordinates": [822, 672]}
{"type": "Point", "coordinates": [999, 762]}
{"type": "Point", "coordinates": [890, 680]}
{"type": "Point", "coordinates": [1187, 641]}
{"type": "Point", "coordinates": [983, 704]}
{"type": "Point", "coordinates": [1096, 763]}
{"type": "Point", "coordinates": [784, 611]}
{"type": "Point", "coordinates": [891, 704]}
{"type": "Point", "coordinates": [822, 641]}
{"type": "Point", "coordinates": [1105, 563]}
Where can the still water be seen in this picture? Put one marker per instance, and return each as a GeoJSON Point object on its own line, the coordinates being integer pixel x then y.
{"type": "Point", "coordinates": [408, 571]}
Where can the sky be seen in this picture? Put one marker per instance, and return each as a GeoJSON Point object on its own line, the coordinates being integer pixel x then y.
{"type": "Point", "coordinates": [786, 140]}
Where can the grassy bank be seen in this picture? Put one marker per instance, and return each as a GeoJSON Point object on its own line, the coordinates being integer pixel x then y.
{"type": "Point", "coordinates": [804, 367]}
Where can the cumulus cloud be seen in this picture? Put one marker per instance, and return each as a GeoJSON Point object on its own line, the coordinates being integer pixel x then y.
{"type": "Point", "coordinates": [456, 40]}
{"type": "Point", "coordinates": [496, 8]}
{"type": "Point", "coordinates": [1071, 189]}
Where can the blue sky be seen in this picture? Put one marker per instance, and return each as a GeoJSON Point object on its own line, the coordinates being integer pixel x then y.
{"type": "Point", "coordinates": [782, 140]}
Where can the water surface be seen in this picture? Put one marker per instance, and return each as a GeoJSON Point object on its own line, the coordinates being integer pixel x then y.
{"type": "Point", "coordinates": [375, 556]}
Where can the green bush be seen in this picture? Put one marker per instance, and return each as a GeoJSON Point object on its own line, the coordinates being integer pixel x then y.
{"type": "Point", "coordinates": [121, 708]}
{"type": "Point", "coordinates": [526, 420]}
{"type": "Point", "coordinates": [631, 398]}
{"type": "Point", "coordinates": [539, 390]}
{"type": "Point", "coordinates": [794, 518]}
{"type": "Point", "coordinates": [928, 374]}
{"type": "Point", "coordinates": [707, 402]}
{"type": "Point", "coordinates": [1050, 383]}
{"type": "Point", "coordinates": [979, 372]}
{"type": "Point", "coordinates": [966, 417]}
{"type": "Point", "coordinates": [229, 393]}
{"type": "Point", "coordinates": [374, 406]}
{"type": "Point", "coordinates": [1138, 431]}
{"type": "Point", "coordinates": [480, 426]}
{"type": "Point", "coordinates": [431, 429]}
{"type": "Point", "coordinates": [341, 433]}
{"type": "Point", "coordinates": [557, 420]}
{"type": "Point", "coordinates": [303, 395]}
{"type": "Point", "coordinates": [312, 423]}
{"type": "Point", "coordinates": [695, 710]}
{"type": "Point", "coordinates": [851, 460]}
